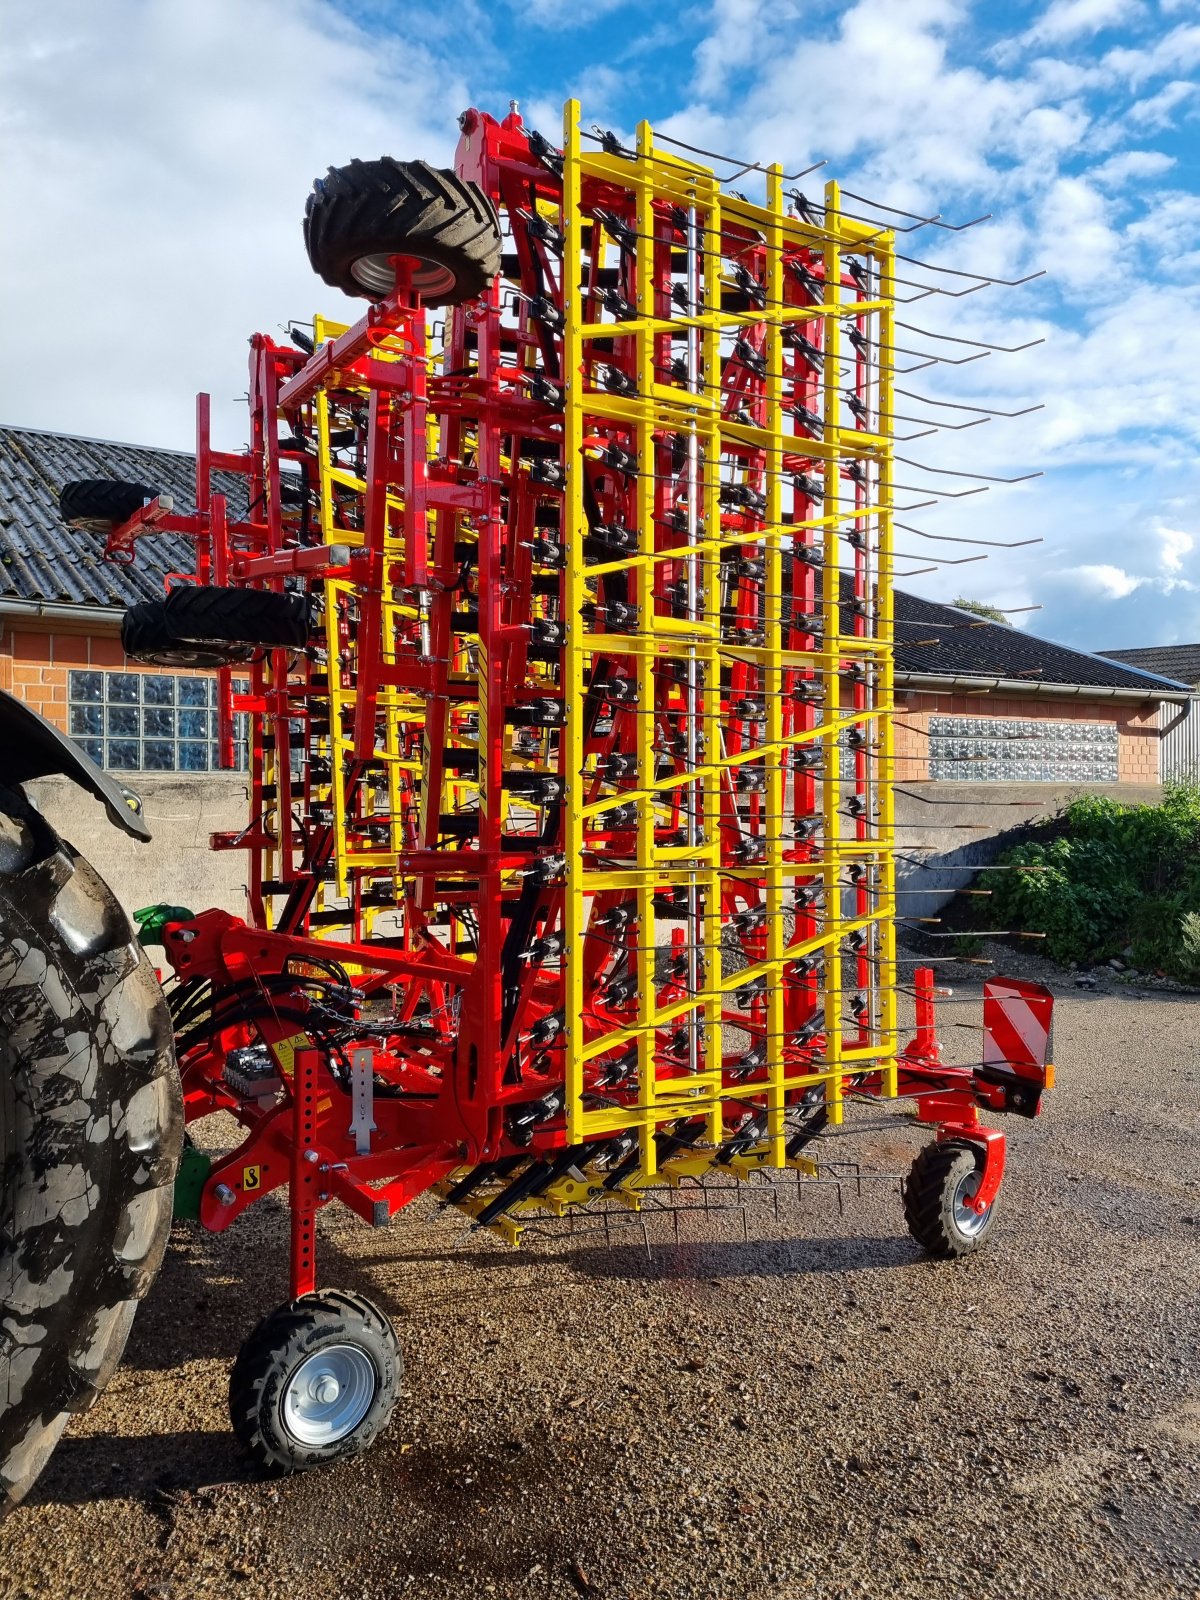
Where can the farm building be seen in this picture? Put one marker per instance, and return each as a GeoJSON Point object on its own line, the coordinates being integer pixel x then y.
{"type": "Point", "coordinates": [1179, 753]}
{"type": "Point", "coordinates": [980, 704]}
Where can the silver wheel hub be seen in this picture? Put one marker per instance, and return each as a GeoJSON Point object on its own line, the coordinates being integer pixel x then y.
{"type": "Point", "coordinates": [377, 274]}
{"type": "Point", "coordinates": [329, 1394]}
{"type": "Point", "coordinates": [966, 1219]}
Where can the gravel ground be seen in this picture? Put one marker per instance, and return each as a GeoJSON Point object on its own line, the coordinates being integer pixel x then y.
{"type": "Point", "coordinates": [788, 1404]}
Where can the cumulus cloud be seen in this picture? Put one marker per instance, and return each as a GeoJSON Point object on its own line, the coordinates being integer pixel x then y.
{"type": "Point", "coordinates": [1130, 167]}
{"type": "Point", "coordinates": [1069, 19]}
{"type": "Point", "coordinates": [157, 161]}
{"type": "Point", "coordinates": [1114, 583]}
{"type": "Point", "coordinates": [1158, 110]}
{"type": "Point", "coordinates": [1175, 545]}
{"type": "Point", "coordinates": [1173, 52]}
{"type": "Point", "coordinates": [730, 43]}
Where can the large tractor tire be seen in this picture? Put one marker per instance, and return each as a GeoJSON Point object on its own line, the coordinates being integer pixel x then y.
{"type": "Point", "coordinates": [98, 505]}
{"type": "Point", "coordinates": [359, 217]}
{"type": "Point", "coordinates": [91, 1126]}
{"type": "Point", "coordinates": [200, 625]}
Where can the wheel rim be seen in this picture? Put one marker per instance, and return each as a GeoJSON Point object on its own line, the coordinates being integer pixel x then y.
{"type": "Point", "coordinates": [197, 655]}
{"type": "Point", "coordinates": [966, 1219]}
{"type": "Point", "coordinates": [377, 274]}
{"type": "Point", "coordinates": [329, 1394]}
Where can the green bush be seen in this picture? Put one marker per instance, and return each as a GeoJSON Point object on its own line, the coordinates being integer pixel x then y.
{"type": "Point", "coordinates": [1103, 876]}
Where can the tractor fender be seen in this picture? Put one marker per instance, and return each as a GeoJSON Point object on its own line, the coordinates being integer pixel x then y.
{"type": "Point", "coordinates": [35, 748]}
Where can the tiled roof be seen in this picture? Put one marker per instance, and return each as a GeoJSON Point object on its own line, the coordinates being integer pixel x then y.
{"type": "Point", "coordinates": [42, 559]}
{"type": "Point", "coordinates": [1180, 661]}
{"type": "Point", "coordinates": [968, 646]}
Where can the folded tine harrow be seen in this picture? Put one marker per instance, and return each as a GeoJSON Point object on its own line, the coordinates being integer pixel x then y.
{"type": "Point", "coordinates": [561, 621]}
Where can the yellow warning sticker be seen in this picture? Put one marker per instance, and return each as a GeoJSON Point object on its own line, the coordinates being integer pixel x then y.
{"type": "Point", "coordinates": [285, 1051]}
{"type": "Point", "coordinates": [251, 1179]}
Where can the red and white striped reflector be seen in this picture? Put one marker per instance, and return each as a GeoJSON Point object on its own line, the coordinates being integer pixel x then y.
{"type": "Point", "coordinates": [1017, 1026]}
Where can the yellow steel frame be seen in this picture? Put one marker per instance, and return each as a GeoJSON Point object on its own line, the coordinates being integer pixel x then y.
{"type": "Point", "coordinates": [652, 174]}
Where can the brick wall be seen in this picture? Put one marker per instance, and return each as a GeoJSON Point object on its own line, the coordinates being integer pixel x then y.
{"type": "Point", "coordinates": [35, 661]}
{"type": "Point", "coordinates": [1137, 727]}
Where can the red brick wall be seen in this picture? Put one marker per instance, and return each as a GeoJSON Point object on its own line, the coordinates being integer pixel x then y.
{"type": "Point", "coordinates": [1137, 727]}
{"type": "Point", "coordinates": [34, 663]}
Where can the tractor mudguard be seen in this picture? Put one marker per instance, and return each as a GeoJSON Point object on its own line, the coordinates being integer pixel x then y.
{"type": "Point", "coordinates": [35, 748]}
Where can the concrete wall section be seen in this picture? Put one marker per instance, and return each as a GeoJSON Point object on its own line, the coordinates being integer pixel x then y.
{"type": "Point", "coordinates": [177, 865]}
{"type": "Point", "coordinates": [940, 846]}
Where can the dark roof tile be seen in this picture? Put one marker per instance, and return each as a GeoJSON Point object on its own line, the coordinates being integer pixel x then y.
{"type": "Point", "coordinates": [968, 646]}
{"type": "Point", "coordinates": [42, 559]}
{"type": "Point", "coordinates": [1179, 661]}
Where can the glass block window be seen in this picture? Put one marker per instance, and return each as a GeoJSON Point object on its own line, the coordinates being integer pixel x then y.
{"type": "Point", "coordinates": [136, 722]}
{"type": "Point", "coordinates": [1020, 750]}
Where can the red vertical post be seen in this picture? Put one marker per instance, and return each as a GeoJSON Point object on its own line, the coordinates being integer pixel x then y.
{"type": "Point", "coordinates": [926, 1036]}
{"type": "Point", "coordinates": [305, 1178]}
{"type": "Point", "coordinates": [219, 530]}
{"type": "Point", "coordinates": [203, 488]}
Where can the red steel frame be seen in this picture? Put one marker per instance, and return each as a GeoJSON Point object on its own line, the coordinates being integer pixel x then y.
{"type": "Point", "coordinates": [459, 514]}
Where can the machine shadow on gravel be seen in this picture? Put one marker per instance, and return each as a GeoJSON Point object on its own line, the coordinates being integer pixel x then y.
{"type": "Point", "coordinates": [138, 1466]}
{"type": "Point", "coordinates": [709, 1258]}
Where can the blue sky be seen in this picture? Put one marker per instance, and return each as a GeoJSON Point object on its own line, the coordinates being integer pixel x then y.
{"type": "Point", "coordinates": [156, 158]}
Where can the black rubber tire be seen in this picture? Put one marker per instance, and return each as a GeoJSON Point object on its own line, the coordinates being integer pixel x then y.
{"type": "Point", "coordinates": [358, 216]}
{"type": "Point", "coordinates": [200, 625]}
{"type": "Point", "coordinates": [933, 1181]}
{"type": "Point", "coordinates": [91, 1125]}
{"type": "Point", "coordinates": [99, 505]}
{"type": "Point", "coordinates": [274, 1351]}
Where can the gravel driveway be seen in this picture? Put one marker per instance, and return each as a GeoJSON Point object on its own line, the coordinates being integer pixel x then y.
{"type": "Point", "coordinates": [785, 1402]}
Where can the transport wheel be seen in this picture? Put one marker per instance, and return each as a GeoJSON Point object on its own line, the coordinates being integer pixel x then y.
{"type": "Point", "coordinates": [101, 504]}
{"type": "Point", "coordinates": [942, 1181]}
{"type": "Point", "coordinates": [315, 1381]}
{"type": "Point", "coordinates": [198, 625]}
{"type": "Point", "coordinates": [358, 217]}
{"type": "Point", "coordinates": [91, 1123]}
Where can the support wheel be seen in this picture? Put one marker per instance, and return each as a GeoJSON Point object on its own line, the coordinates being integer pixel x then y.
{"type": "Point", "coordinates": [98, 505]}
{"type": "Point", "coordinates": [943, 1180]}
{"type": "Point", "coordinates": [314, 1382]}
{"type": "Point", "coordinates": [359, 217]}
{"type": "Point", "coordinates": [199, 625]}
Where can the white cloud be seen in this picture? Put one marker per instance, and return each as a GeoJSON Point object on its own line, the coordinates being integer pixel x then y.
{"type": "Point", "coordinates": [1113, 583]}
{"type": "Point", "coordinates": [730, 44]}
{"type": "Point", "coordinates": [1077, 218]}
{"type": "Point", "coordinates": [1173, 52]}
{"type": "Point", "coordinates": [158, 160]}
{"type": "Point", "coordinates": [1069, 19]}
{"type": "Point", "coordinates": [1129, 166]}
{"type": "Point", "coordinates": [1175, 545]}
{"type": "Point", "coordinates": [1171, 224]}
{"type": "Point", "coordinates": [567, 13]}
{"type": "Point", "coordinates": [1157, 110]}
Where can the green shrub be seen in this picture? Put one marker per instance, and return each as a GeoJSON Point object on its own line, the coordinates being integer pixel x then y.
{"type": "Point", "coordinates": [1103, 876]}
